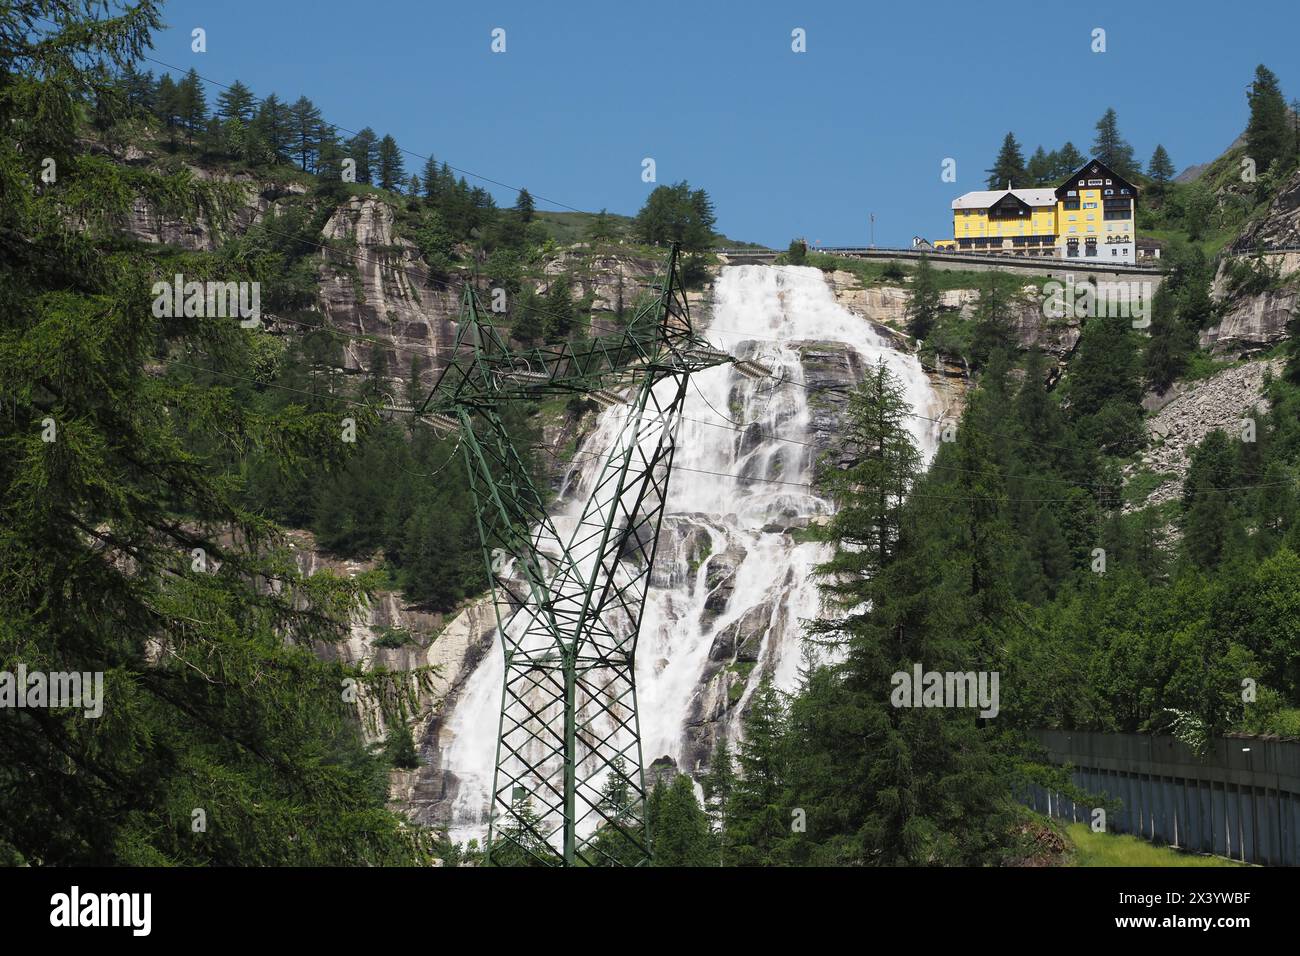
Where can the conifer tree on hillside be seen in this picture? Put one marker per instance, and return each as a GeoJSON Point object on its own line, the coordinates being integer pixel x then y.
{"type": "Point", "coordinates": [757, 817]}
{"type": "Point", "coordinates": [1170, 343]}
{"type": "Point", "coordinates": [1040, 168]}
{"type": "Point", "coordinates": [1267, 132]}
{"type": "Point", "coordinates": [363, 148]}
{"type": "Point", "coordinates": [390, 168]}
{"type": "Point", "coordinates": [923, 301]}
{"type": "Point", "coordinates": [1209, 515]}
{"type": "Point", "coordinates": [868, 476]}
{"type": "Point", "coordinates": [1295, 128]}
{"type": "Point", "coordinates": [678, 213]}
{"type": "Point", "coordinates": [167, 105]}
{"type": "Point", "coordinates": [679, 827]}
{"type": "Point", "coordinates": [1160, 168]}
{"type": "Point", "coordinates": [305, 127]}
{"type": "Point", "coordinates": [271, 126]}
{"type": "Point", "coordinates": [1068, 160]}
{"type": "Point", "coordinates": [139, 88]}
{"type": "Point", "coordinates": [191, 105]}
{"type": "Point", "coordinates": [236, 102]}
{"type": "Point", "coordinates": [1111, 148]}
{"type": "Point", "coordinates": [1104, 384]}
{"type": "Point", "coordinates": [1009, 167]}
{"type": "Point", "coordinates": [559, 310]}
{"type": "Point", "coordinates": [718, 785]}
{"type": "Point", "coordinates": [431, 179]}
{"type": "Point", "coordinates": [619, 841]}
{"type": "Point", "coordinates": [993, 331]}
{"type": "Point", "coordinates": [880, 780]}
{"type": "Point", "coordinates": [524, 207]}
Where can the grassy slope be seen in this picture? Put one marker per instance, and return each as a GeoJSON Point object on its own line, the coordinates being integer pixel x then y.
{"type": "Point", "coordinates": [1115, 849]}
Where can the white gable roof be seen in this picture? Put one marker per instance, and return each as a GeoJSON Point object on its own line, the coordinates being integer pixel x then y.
{"type": "Point", "coordinates": [1037, 197]}
{"type": "Point", "coordinates": [984, 198]}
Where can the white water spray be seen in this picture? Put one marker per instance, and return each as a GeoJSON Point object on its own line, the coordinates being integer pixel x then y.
{"type": "Point", "coordinates": [733, 579]}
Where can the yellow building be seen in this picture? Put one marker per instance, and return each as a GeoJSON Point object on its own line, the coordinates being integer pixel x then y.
{"type": "Point", "coordinates": [1089, 216]}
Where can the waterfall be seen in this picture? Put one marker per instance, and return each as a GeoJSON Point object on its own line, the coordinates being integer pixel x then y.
{"type": "Point", "coordinates": [733, 576]}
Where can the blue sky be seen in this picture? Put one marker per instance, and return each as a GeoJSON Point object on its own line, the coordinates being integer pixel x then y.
{"type": "Point", "coordinates": [787, 144]}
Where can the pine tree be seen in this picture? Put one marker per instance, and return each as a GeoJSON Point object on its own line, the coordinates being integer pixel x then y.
{"type": "Point", "coordinates": [559, 312]}
{"type": "Point", "coordinates": [680, 827]}
{"type": "Point", "coordinates": [236, 103]}
{"type": "Point", "coordinates": [329, 155]}
{"type": "Point", "coordinates": [389, 169]}
{"type": "Point", "coordinates": [167, 106]}
{"type": "Point", "coordinates": [1038, 416]}
{"type": "Point", "coordinates": [1040, 168]}
{"type": "Point", "coordinates": [1008, 170]}
{"type": "Point", "coordinates": [432, 180]}
{"type": "Point", "coordinates": [619, 840]}
{"type": "Point", "coordinates": [528, 325]}
{"type": "Point", "coordinates": [191, 105]}
{"type": "Point", "coordinates": [993, 331]}
{"type": "Point", "coordinates": [1209, 513]}
{"type": "Point", "coordinates": [1266, 131]}
{"type": "Point", "coordinates": [1170, 345]}
{"type": "Point", "coordinates": [1068, 159]}
{"type": "Point", "coordinates": [923, 301]}
{"type": "Point", "coordinates": [1104, 368]}
{"type": "Point", "coordinates": [1048, 551]}
{"type": "Point", "coordinates": [1111, 148]}
{"type": "Point", "coordinates": [1160, 168]}
{"type": "Point", "coordinates": [305, 126]}
{"type": "Point", "coordinates": [271, 125]}
{"type": "Point", "coordinates": [524, 207]}
{"type": "Point", "coordinates": [677, 213]}
{"type": "Point", "coordinates": [519, 841]}
{"type": "Point", "coordinates": [757, 820]}
{"type": "Point", "coordinates": [139, 89]}
{"type": "Point", "coordinates": [364, 150]}
{"type": "Point", "coordinates": [718, 784]}
{"type": "Point", "coordinates": [415, 392]}
{"type": "Point", "coordinates": [877, 461]}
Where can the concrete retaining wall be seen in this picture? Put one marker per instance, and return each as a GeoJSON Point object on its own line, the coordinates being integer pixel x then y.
{"type": "Point", "coordinates": [1241, 800]}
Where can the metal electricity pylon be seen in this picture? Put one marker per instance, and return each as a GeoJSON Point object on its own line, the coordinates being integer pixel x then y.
{"type": "Point", "coordinates": [569, 784]}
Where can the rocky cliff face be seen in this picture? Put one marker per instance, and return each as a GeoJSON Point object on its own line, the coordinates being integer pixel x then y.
{"type": "Point", "coordinates": [450, 643]}
{"type": "Point", "coordinates": [1280, 225]}
{"type": "Point", "coordinates": [1254, 322]}
{"type": "Point", "coordinates": [1190, 411]}
{"type": "Point", "coordinates": [375, 284]}
{"type": "Point", "coordinates": [887, 305]}
{"type": "Point", "coordinates": [199, 233]}
{"type": "Point", "coordinates": [1251, 323]}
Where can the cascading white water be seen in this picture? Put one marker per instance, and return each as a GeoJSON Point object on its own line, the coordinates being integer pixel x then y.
{"type": "Point", "coordinates": [733, 579]}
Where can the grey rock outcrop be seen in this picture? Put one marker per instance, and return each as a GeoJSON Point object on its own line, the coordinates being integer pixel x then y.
{"type": "Point", "coordinates": [1220, 402]}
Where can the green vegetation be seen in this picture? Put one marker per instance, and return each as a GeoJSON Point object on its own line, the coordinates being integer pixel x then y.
{"type": "Point", "coordinates": [128, 547]}
{"type": "Point", "coordinates": [1121, 849]}
{"type": "Point", "coordinates": [393, 637]}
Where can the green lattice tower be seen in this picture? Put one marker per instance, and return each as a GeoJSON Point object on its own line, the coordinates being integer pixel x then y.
{"type": "Point", "coordinates": [569, 783]}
